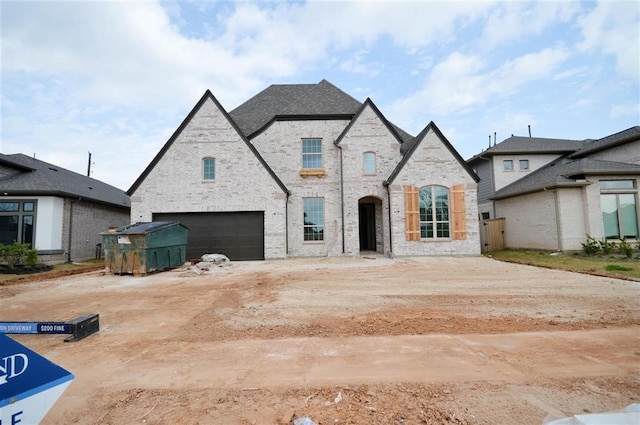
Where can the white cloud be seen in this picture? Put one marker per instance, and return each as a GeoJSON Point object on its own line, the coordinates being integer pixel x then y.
{"type": "Point", "coordinates": [614, 28]}
{"type": "Point", "coordinates": [631, 110]}
{"type": "Point", "coordinates": [462, 83]}
{"type": "Point", "coordinates": [514, 21]}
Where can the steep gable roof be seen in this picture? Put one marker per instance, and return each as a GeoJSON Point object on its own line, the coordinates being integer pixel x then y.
{"type": "Point", "coordinates": [564, 172]}
{"type": "Point", "coordinates": [413, 145]}
{"type": "Point", "coordinates": [395, 131]}
{"type": "Point", "coordinates": [23, 175]}
{"type": "Point", "coordinates": [626, 136]}
{"type": "Point", "coordinates": [290, 101]}
{"type": "Point", "coordinates": [206, 96]}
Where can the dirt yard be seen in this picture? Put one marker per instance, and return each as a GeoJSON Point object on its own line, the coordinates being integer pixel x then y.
{"type": "Point", "coordinates": [342, 341]}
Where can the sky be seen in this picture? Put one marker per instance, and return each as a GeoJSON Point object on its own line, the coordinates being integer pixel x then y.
{"type": "Point", "coordinates": [116, 78]}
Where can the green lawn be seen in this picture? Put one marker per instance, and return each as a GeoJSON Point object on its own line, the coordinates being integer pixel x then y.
{"type": "Point", "coordinates": [602, 265]}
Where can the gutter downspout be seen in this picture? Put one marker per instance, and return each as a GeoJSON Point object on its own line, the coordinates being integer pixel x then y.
{"type": "Point", "coordinates": [386, 185]}
{"type": "Point", "coordinates": [341, 193]}
{"type": "Point", "coordinates": [286, 223]}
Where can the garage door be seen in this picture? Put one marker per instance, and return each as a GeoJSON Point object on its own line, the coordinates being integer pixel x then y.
{"type": "Point", "coordinates": [238, 235]}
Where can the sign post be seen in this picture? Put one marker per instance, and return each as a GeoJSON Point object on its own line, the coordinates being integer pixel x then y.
{"type": "Point", "coordinates": [29, 384]}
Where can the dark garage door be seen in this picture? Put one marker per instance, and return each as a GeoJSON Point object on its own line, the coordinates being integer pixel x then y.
{"type": "Point", "coordinates": [238, 235]}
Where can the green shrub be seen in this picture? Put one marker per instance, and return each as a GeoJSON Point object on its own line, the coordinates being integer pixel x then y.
{"type": "Point", "coordinates": [18, 254]}
{"type": "Point", "coordinates": [626, 248]}
{"type": "Point", "coordinates": [607, 246]}
{"type": "Point", "coordinates": [591, 247]}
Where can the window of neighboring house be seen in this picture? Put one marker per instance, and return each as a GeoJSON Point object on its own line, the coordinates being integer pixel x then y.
{"type": "Point", "coordinates": [17, 222]}
{"type": "Point", "coordinates": [209, 169]}
{"type": "Point", "coordinates": [313, 219]}
{"type": "Point", "coordinates": [369, 165]}
{"type": "Point", "coordinates": [486, 216]}
{"type": "Point", "coordinates": [311, 153]}
{"type": "Point", "coordinates": [507, 165]}
{"type": "Point", "coordinates": [523, 164]}
{"type": "Point", "coordinates": [618, 201]}
{"type": "Point", "coordinates": [434, 212]}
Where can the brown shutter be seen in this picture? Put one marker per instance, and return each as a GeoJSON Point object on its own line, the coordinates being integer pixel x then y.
{"type": "Point", "coordinates": [458, 213]}
{"type": "Point", "coordinates": [411, 213]}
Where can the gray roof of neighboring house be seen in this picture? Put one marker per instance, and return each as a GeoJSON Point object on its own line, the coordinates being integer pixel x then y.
{"type": "Point", "coordinates": [593, 146]}
{"type": "Point", "coordinates": [23, 175]}
{"type": "Point", "coordinates": [565, 172]}
{"type": "Point", "coordinates": [518, 145]}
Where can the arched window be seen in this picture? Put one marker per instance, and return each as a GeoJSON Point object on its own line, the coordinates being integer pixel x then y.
{"type": "Point", "coordinates": [209, 168]}
{"type": "Point", "coordinates": [369, 163]}
{"type": "Point", "coordinates": [434, 212]}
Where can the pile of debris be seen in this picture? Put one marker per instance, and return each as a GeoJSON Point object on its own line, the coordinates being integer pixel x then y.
{"type": "Point", "coordinates": [206, 263]}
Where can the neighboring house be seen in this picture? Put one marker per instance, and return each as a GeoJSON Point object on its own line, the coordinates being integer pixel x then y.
{"type": "Point", "coordinates": [554, 192]}
{"type": "Point", "coordinates": [307, 170]}
{"type": "Point", "coordinates": [58, 212]}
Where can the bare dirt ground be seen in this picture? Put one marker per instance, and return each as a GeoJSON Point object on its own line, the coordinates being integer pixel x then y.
{"type": "Point", "coordinates": [343, 341]}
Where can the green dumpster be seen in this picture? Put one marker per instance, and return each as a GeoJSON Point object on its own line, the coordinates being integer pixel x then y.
{"type": "Point", "coordinates": [143, 248]}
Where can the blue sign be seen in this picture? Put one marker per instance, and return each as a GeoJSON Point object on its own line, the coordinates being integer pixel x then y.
{"type": "Point", "coordinates": [29, 383]}
{"type": "Point", "coordinates": [35, 328]}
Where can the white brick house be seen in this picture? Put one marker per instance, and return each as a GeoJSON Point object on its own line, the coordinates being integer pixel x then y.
{"type": "Point", "coordinates": [307, 170]}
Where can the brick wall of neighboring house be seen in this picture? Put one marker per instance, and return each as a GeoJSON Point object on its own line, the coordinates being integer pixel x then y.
{"type": "Point", "coordinates": [433, 164]}
{"type": "Point", "coordinates": [504, 178]}
{"type": "Point", "coordinates": [88, 221]}
{"type": "Point", "coordinates": [241, 183]}
{"type": "Point", "coordinates": [571, 215]}
{"type": "Point", "coordinates": [530, 220]}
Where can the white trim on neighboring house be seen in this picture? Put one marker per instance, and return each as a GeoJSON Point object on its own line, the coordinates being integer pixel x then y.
{"type": "Point", "coordinates": [49, 223]}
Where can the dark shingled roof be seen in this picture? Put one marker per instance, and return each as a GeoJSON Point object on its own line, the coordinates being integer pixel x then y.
{"type": "Point", "coordinates": [290, 101]}
{"type": "Point", "coordinates": [593, 146]}
{"type": "Point", "coordinates": [565, 172]}
{"type": "Point", "coordinates": [518, 145]}
{"type": "Point", "coordinates": [21, 175]}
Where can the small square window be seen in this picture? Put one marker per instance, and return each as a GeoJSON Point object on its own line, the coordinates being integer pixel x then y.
{"type": "Point", "coordinates": [523, 164]}
{"type": "Point", "coordinates": [507, 165]}
{"type": "Point", "coordinates": [209, 169]}
{"type": "Point", "coordinates": [486, 216]}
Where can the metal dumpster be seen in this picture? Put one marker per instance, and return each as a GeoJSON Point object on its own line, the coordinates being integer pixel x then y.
{"type": "Point", "coordinates": [143, 248]}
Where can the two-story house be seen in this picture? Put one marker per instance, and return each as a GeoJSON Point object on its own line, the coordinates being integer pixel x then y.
{"type": "Point", "coordinates": [307, 170]}
{"type": "Point", "coordinates": [553, 192]}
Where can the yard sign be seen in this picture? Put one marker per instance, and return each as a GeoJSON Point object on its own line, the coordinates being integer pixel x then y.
{"type": "Point", "coordinates": [29, 384]}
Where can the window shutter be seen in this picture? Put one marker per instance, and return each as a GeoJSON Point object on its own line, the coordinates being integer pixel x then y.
{"type": "Point", "coordinates": [411, 213]}
{"type": "Point", "coordinates": [458, 213]}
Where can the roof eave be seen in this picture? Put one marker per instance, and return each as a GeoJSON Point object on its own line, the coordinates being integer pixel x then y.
{"type": "Point", "coordinates": [63, 194]}
{"type": "Point", "coordinates": [540, 189]}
